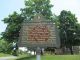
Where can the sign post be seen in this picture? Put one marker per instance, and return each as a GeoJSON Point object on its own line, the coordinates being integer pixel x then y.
{"type": "Point", "coordinates": [39, 33]}
{"type": "Point", "coordinates": [38, 57]}
{"type": "Point", "coordinates": [38, 52]}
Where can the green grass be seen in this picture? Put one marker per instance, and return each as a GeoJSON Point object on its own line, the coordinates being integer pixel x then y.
{"type": "Point", "coordinates": [4, 55]}
{"type": "Point", "coordinates": [27, 58]}
{"type": "Point", "coordinates": [61, 57]}
{"type": "Point", "coordinates": [52, 57]}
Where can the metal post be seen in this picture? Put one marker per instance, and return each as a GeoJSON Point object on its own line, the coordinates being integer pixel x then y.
{"type": "Point", "coordinates": [38, 54]}
{"type": "Point", "coordinates": [38, 57]}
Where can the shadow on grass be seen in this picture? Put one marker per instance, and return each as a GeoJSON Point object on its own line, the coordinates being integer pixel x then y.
{"type": "Point", "coordinates": [27, 58]}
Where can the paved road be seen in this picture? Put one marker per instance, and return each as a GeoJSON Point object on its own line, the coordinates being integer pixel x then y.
{"type": "Point", "coordinates": [8, 58]}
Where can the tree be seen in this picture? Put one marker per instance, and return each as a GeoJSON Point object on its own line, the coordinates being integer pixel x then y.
{"type": "Point", "coordinates": [67, 29]}
{"type": "Point", "coordinates": [32, 7]}
{"type": "Point", "coordinates": [11, 33]}
{"type": "Point", "coordinates": [13, 26]}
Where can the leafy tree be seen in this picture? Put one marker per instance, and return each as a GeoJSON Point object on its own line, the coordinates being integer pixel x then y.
{"type": "Point", "coordinates": [67, 29]}
{"type": "Point", "coordinates": [32, 7]}
{"type": "Point", "coordinates": [13, 26]}
{"type": "Point", "coordinates": [11, 33]}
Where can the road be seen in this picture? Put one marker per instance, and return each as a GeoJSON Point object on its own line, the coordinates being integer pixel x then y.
{"type": "Point", "coordinates": [8, 58]}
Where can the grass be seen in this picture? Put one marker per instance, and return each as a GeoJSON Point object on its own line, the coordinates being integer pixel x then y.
{"type": "Point", "coordinates": [27, 58]}
{"type": "Point", "coordinates": [52, 57]}
{"type": "Point", "coordinates": [4, 55]}
{"type": "Point", "coordinates": [61, 57]}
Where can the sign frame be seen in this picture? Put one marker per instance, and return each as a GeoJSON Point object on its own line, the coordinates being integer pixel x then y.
{"type": "Point", "coordinates": [38, 19]}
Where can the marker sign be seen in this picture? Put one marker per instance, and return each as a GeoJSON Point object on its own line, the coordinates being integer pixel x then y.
{"type": "Point", "coordinates": [39, 32]}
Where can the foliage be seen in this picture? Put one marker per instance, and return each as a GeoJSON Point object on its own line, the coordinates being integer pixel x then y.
{"type": "Point", "coordinates": [77, 36]}
{"type": "Point", "coordinates": [13, 26]}
{"type": "Point", "coordinates": [32, 7]}
{"type": "Point", "coordinates": [3, 45]}
{"type": "Point", "coordinates": [4, 55]}
{"type": "Point", "coordinates": [68, 29]}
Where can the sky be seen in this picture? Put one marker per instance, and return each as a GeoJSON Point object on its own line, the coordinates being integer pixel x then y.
{"type": "Point", "coordinates": [9, 6]}
{"type": "Point", "coordinates": [69, 5]}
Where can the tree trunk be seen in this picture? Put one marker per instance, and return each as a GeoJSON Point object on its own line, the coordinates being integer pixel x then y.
{"type": "Point", "coordinates": [71, 50]}
{"type": "Point", "coordinates": [34, 52]}
{"type": "Point", "coordinates": [41, 52]}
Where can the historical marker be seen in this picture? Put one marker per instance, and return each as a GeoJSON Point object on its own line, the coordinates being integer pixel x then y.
{"type": "Point", "coordinates": [39, 32]}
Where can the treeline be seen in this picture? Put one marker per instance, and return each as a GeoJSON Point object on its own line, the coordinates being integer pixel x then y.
{"type": "Point", "coordinates": [66, 22]}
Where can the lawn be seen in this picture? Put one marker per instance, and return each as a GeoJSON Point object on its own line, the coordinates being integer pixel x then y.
{"type": "Point", "coordinates": [52, 57]}
{"type": "Point", "coordinates": [4, 55]}
{"type": "Point", "coordinates": [61, 57]}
